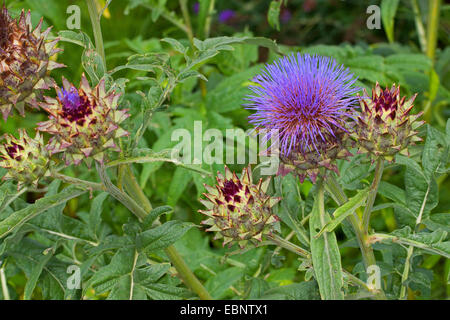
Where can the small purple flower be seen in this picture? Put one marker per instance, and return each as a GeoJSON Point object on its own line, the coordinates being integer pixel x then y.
{"type": "Point", "coordinates": [226, 15]}
{"type": "Point", "coordinates": [196, 7]}
{"type": "Point", "coordinates": [306, 98]}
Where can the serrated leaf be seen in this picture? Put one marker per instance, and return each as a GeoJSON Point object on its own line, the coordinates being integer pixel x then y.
{"type": "Point", "coordinates": [18, 218]}
{"type": "Point", "coordinates": [326, 257]}
{"type": "Point", "coordinates": [162, 236]}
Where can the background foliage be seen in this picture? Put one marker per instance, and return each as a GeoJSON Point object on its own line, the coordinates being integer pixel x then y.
{"type": "Point", "coordinates": [121, 259]}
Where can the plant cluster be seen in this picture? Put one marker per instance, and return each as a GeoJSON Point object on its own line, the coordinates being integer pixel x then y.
{"type": "Point", "coordinates": [345, 136]}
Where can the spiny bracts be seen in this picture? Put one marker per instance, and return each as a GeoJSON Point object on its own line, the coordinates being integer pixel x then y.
{"type": "Point", "coordinates": [24, 62]}
{"type": "Point", "coordinates": [84, 122]}
{"type": "Point", "coordinates": [26, 159]}
{"type": "Point", "coordinates": [238, 210]}
{"type": "Point", "coordinates": [309, 164]}
{"type": "Point", "coordinates": [385, 126]}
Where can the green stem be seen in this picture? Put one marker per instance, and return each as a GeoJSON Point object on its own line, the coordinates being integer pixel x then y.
{"type": "Point", "coordinates": [286, 244]}
{"type": "Point", "coordinates": [96, 29]}
{"type": "Point", "coordinates": [119, 195]}
{"type": "Point", "coordinates": [4, 283]}
{"type": "Point", "coordinates": [187, 21]}
{"type": "Point", "coordinates": [333, 187]}
{"type": "Point", "coordinates": [434, 7]}
{"type": "Point", "coordinates": [405, 274]}
{"type": "Point", "coordinates": [186, 274]}
{"type": "Point", "coordinates": [419, 26]}
{"type": "Point", "coordinates": [83, 183]}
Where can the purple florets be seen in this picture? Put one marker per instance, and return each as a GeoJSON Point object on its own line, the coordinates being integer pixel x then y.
{"type": "Point", "coordinates": [75, 104]}
{"type": "Point", "coordinates": [306, 98]}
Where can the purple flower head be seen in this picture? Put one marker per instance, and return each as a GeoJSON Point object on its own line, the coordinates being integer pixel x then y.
{"type": "Point", "coordinates": [307, 99]}
{"type": "Point", "coordinates": [226, 15]}
{"type": "Point", "coordinates": [75, 104]}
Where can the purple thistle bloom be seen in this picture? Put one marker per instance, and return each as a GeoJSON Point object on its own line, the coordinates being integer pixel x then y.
{"type": "Point", "coordinates": [306, 98]}
{"type": "Point", "coordinates": [226, 15]}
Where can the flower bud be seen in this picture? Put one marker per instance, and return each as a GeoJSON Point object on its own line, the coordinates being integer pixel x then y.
{"type": "Point", "coordinates": [384, 126]}
{"type": "Point", "coordinates": [239, 210]}
{"type": "Point", "coordinates": [24, 62]}
{"type": "Point", "coordinates": [26, 159]}
{"type": "Point", "coordinates": [84, 122]}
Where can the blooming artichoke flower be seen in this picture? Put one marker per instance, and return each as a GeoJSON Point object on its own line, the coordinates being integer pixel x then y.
{"type": "Point", "coordinates": [305, 100]}
{"type": "Point", "coordinates": [237, 209]}
{"type": "Point", "coordinates": [26, 159]}
{"type": "Point", "coordinates": [84, 122]}
{"type": "Point", "coordinates": [24, 62]}
{"type": "Point", "coordinates": [384, 126]}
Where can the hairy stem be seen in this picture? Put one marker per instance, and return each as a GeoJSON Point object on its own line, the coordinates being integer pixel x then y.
{"type": "Point", "coordinates": [96, 29]}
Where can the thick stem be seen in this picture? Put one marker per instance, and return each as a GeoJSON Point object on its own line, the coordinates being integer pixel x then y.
{"type": "Point", "coordinates": [186, 274]}
{"type": "Point", "coordinates": [96, 29]}
{"type": "Point", "coordinates": [372, 193]}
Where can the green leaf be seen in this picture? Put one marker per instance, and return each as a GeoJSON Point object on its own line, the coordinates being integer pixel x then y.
{"type": "Point", "coordinates": [37, 270]}
{"type": "Point", "coordinates": [95, 214]}
{"type": "Point", "coordinates": [326, 257]}
{"type": "Point", "coordinates": [274, 13]}
{"type": "Point", "coordinates": [392, 192]}
{"type": "Point", "coordinates": [18, 218]}
{"type": "Point", "coordinates": [307, 290]}
{"type": "Point", "coordinates": [180, 181]}
{"type": "Point", "coordinates": [290, 208]}
{"type": "Point", "coordinates": [117, 276]}
{"type": "Point", "coordinates": [162, 236]}
{"type": "Point", "coordinates": [388, 11]}
{"type": "Point", "coordinates": [154, 214]}
{"type": "Point", "coordinates": [345, 210]}
{"type": "Point", "coordinates": [218, 285]}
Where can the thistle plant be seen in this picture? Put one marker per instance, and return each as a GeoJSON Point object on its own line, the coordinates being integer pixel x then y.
{"type": "Point", "coordinates": [24, 63]}
{"type": "Point", "coordinates": [137, 222]}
